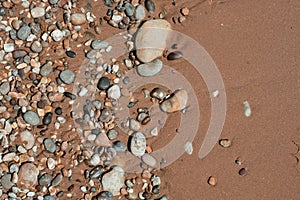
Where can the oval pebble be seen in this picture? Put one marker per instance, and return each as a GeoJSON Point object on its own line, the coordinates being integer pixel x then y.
{"type": "Point", "coordinates": [103, 83]}
{"type": "Point", "coordinates": [137, 144]}
{"type": "Point", "coordinates": [27, 139]}
{"type": "Point", "coordinates": [31, 118]}
{"type": "Point", "coordinates": [149, 160]}
{"type": "Point", "coordinates": [150, 6]}
{"type": "Point", "coordinates": [77, 19]}
{"type": "Point", "coordinates": [47, 118]}
{"type": "Point", "coordinates": [150, 69]}
{"type": "Point", "coordinates": [50, 145]}
{"type": "Point", "coordinates": [67, 76]}
{"type": "Point", "coordinates": [176, 102]}
{"type": "Point", "coordinates": [23, 32]}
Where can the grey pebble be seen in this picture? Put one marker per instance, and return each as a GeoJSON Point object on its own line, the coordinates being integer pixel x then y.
{"type": "Point", "coordinates": [103, 83]}
{"type": "Point", "coordinates": [4, 88]}
{"type": "Point", "coordinates": [56, 181]}
{"type": "Point", "coordinates": [96, 172]}
{"type": "Point", "coordinates": [6, 181]}
{"type": "Point", "coordinates": [129, 9]}
{"type": "Point", "coordinates": [67, 76]}
{"type": "Point", "coordinates": [53, 2]}
{"type": "Point", "coordinates": [112, 134]}
{"type": "Point", "coordinates": [50, 145]}
{"type": "Point", "coordinates": [150, 6]}
{"type": "Point", "coordinates": [45, 179]}
{"type": "Point", "coordinates": [150, 69]}
{"type": "Point", "coordinates": [31, 118]}
{"type": "Point", "coordinates": [108, 3]}
{"type": "Point", "coordinates": [98, 44]}
{"type": "Point", "coordinates": [46, 69]}
{"type": "Point", "coordinates": [119, 146]}
{"type": "Point", "coordinates": [35, 28]}
{"type": "Point", "coordinates": [47, 118]}
{"type": "Point", "coordinates": [36, 46]}
{"type": "Point", "coordinates": [2, 10]}
{"type": "Point", "coordinates": [140, 12]}
{"type": "Point", "coordinates": [23, 32]}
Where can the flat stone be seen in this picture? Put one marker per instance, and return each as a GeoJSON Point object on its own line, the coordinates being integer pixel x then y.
{"type": "Point", "coordinates": [28, 174]}
{"type": "Point", "coordinates": [134, 125]}
{"type": "Point", "coordinates": [137, 144]}
{"type": "Point", "coordinates": [112, 134]}
{"type": "Point", "coordinates": [67, 76]}
{"type": "Point", "coordinates": [113, 181]}
{"type": "Point", "coordinates": [150, 69]}
{"type": "Point", "coordinates": [46, 69]}
{"type": "Point", "coordinates": [50, 145]}
{"type": "Point", "coordinates": [114, 92]}
{"type": "Point", "coordinates": [4, 88]}
{"type": "Point", "coordinates": [31, 118]}
{"type": "Point", "coordinates": [103, 141]}
{"type": "Point", "coordinates": [149, 160]}
{"type": "Point", "coordinates": [176, 102]}
{"type": "Point", "coordinates": [98, 44]}
{"type": "Point", "coordinates": [24, 32]}
{"type": "Point", "coordinates": [140, 12]}
{"type": "Point", "coordinates": [37, 12]}
{"type": "Point", "coordinates": [151, 39]}
{"type": "Point", "coordinates": [57, 35]}
{"type": "Point", "coordinates": [27, 139]}
{"type": "Point", "coordinates": [6, 182]}
{"type": "Point", "coordinates": [78, 19]}
{"type": "Point", "coordinates": [9, 157]}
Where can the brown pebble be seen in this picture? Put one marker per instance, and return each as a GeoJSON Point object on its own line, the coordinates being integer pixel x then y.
{"type": "Point", "coordinates": [242, 171]}
{"type": "Point", "coordinates": [185, 11]}
{"type": "Point", "coordinates": [212, 181]}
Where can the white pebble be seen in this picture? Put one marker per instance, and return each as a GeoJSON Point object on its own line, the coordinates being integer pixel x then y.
{"type": "Point", "coordinates": [247, 109]}
{"type": "Point", "coordinates": [188, 147]}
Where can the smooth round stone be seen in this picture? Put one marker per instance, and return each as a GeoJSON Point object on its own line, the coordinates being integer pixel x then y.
{"type": "Point", "coordinates": [97, 44]}
{"type": "Point", "coordinates": [158, 93]}
{"type": "Point", "coordinates": [150, 69]}
{"type": "Point", "coordinates": [134, 125]}
{"type": "Point", "coordinates": [28, 174]}
{"type": "Point", "coordinates": [140, 12]}
{"type": "Point", "coordinates": [150, 6]}
{"type": "Point", "coordinates": [9, 48]}
{"type": "Point", "coordinates": [150, 40]}
{"type": "Point", "coordinates": [95, 159]}
{"type": "Point", "coordinates": [50, 145]}
{"type": "Point", "coordinates": [23, 32]}
{"type": "Point", "coordinates": [5, 181]}
{"type": "Point", "coordinates": [31, 118]}
{"type": "Point", "coordinates": [36, 47]}
{"type": "Point", "coordinates": [58, 111]}
{"type": "Point", "coordinates": [56, 181]}
{"type": "Point", "coordinates": [37, 12]}
{"type": "Point", "coordinates": [137, 144]}
{"type": "Point", "coordinates": [77, 19]}
{"type": "Point", "coordinates": [71, 54]}
{"type": "Point", "coordinates": [4, 88]}
{"type": "Point", "coordinates": [112, 134]}
{"type": "Point", "coordinates": [46, 69]}
{"type": "Point", "coordinates": [67, 76]}
{"type": "Point", "coordinates": [106, 115]}
{"type": "Point", "coordinates": [35, 28]}
{"type": "Point", "coordinates": [51, 163]}
{"type": "Point", "coordinates": [113, 181]}
{"type": "Point", "coordinates": [27, 139]}
{"type": "Point", "coordinates": [13, 168]}
{"type": "Point", "coordinates": [149, 160]}
{"type": "Point", "coordinates": [103, 83]}
{"type": "Point", "coordinates": [176, 102]}
{"type": "Point", "coordinates": [47, 118]}
{"type": "Point", "coordinates": [45, 179]}
{"type": "Point", "coordinates": [119, 146]}
{"type": "Point", "coordinates": [114, 92]}
{"type": "Point", "coordinates": [129, 9]}
{"type": "Point", "coordinates": [57, 35]}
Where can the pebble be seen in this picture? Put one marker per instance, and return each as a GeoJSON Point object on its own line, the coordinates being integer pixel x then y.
{"type": "Point", "coordinates": [31, 118]}
{"type": "Point", "coordinates": [129, 9]}
{"type": "Point", "coordinates": [51, 163]}
{"type": "Point", "coordinates": [114, 92]}
{"type": "Point", "coordinates": [36, 46]}
{"type": "Point", "coordinates": [140, 12]}
{"type": "Point", "coordinates": [212, 181]}
{"type": "Point", "coordinates": [108, 3]}
{"type": "Point", "coordinates": [27, 139]}
{"type": "Point", "coordinates": [56, 181]}
{"type": "Point", "coordinates": [113, 181]}
{"type": "Point", "coordinates": [225, 143]}
{"type": "Point", "coordinates": [119, 146]}
{"type": "Point", "coordinates": [150, 69]}
{"type": "Point", "coordinates": [57, 35]}
{"type": "Point", "coordinates": [19, 54]}
{"type": "Point", "coordinates": [153, 33]}
{"type": "Point", "coordinates": [50, 145]}
{"type": "Point", "coordinates": [52, 2]}
{"type": "Point", "coordinates": [176, 102]}
{"type": "Point", "coordinates": [150, 6]}
{"type": "Point", "coordinates": [77, 19]}
{"type": "Point", "coordinates": [112, 134]}
{"type": "Point", "coordinates": [9, 157]}
{"type": "Point", "coordinates": [98, 44]}
{"type": "Point", "coordinates": [37, 12]}
{"type": "Point", "coordinates": [83, 91]}
{"type": "Point", "coordinates": [188, 147]}
{"type": "Point", "coordinates": [174, 55]}
{"type": "Point", "coordinates": [96, 172]}
{"type": "Point", "coordinates": [2, 11]}
{"type": "Point", "coordinates": [247, 109]}
{"type": "Point", "coordinates": [106, 115]}
{"type": "Point", "coordinates": [45, 179]}
{"type": "Point", "coordinates": [95, 159]}
{"type": "Point", "coordinates": [5, 181]}
{"type": "Point", "coordinates": [137, 144]}
{"type": "Point", "coordinates": [184, 11]}
{"type": "Point", "coordinates": [24, 32]}
{"type": "Point", "coordinates": [149, 160]}
{"type": "Point", "coordinates": [47, 118]}
{"type": "Point", "coordinates": [67, 76]}
{"type": "Point", "coordinates": [242, 171]}
{"type": "Point", "coordinates": [9, 47]}
{"type": "Point", "coordinates": [158, 93]}
{"type": "Point", "coordinates": [103, 83]}
{"type": "Point", "coordinates": [134, 125]}
{"type": "Point", "coordinates": [4, 88]}
{"type": "Point", "coordinates": [28, 174]}
{"type": "Point", "coordinates": [46, 69]}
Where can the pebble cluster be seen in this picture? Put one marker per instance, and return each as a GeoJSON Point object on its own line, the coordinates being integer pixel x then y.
{"type": "Point", "coordinates": [43, 155]}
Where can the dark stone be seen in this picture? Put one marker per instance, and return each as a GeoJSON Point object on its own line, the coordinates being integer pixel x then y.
{"type": "Point", "coordinates": [58, 111]}
{"type": "Point", "coordinates": [150, 6]}
{"type": "Point", "coordinates": [70, 95]}
{"type": "Point", "coordinates": [103, 83]}
{"type": "Point", "coordinates": [71, 54]}
{"type": "Point", "coordinates": [47, 118]}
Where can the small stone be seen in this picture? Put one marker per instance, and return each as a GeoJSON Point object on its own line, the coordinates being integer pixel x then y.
{"type": "Point", "coordinates": [5, 181]}
{"type": "Point", "coordinates": [129, 9]}
{"type": "Point", "coordinates": [96, 172]}
{"type": "Point", "coordinates": [134, 125]}
{"type": "Point", "coordinates": [57, 35]}
{"type": "Point", "coordinates": [108, 3]}
{"type": "Point", "coordinates": [174, 55]}
{"type": "Point", "coordinates": [83, 91]}
{"type": "Point", "coordinates": [106, 115]}
{"type": "Point", "coordinates": [103, 83]}
{"type": "Point", "coordinates": [176, 102]}
{"type": "Point", "coordinates": [19, 54]}
{"type": "Point", "coordinates": [150, 40]}
{"type": "Point", "coordinates": [150, 6]}
{"type": "Point", "coordinates": [52, 2]}
{"type": "Point", "coordinates": [225, 143]}
{"type": "Point", "coordinates": [102, 141]}
{"type": "Point", "coordinates": [71, 54]}
{"type": "Point", "coordinates": [31, 118]}
{"type": "Point", "coordinates": [9, 157]}
{"type": "Point", "coordinates": [247, 109]}
{"type": "Point", "coordinates": [36, 46]}
{"type": "Point", "coordinates": [47, 118]}
{"type": "Point", "coordinates": [27, 139]}
{"type": "Point", "coordinates": [56, 181]}
{"type": "Point", "coordinates": [137, 144]}
{"type": "Point", "coordinates": [9, 47]}
{"type": "Point", "coordinates": [24, 32]}
{"type": "Point", "coordinates": [46, 69]}
{"type": "Point", "coordinates": [45, 179]}
{"type": "Point", "coordinates": [112, 134]}
{"type": "Point", "coordinates": [150, 69]}
{"type": "Point", "coordinates": [37, 12]}
{"type": "Point", "coordinates": [4, 88]}
{"type": "Point", "coordinates": [140, 12]}
{"type": "Point", "coordinates": [28, 174]}
{"type": "Point", "coordinates": [98, 44]}
{"type": "Point", "coordinates": [155, 180]}
{"type": "Point", "coordinates": [242, 171]}
{"type": "Point", "coordinates": [119, 146]}
{"type": "Point", "coordinates": [188, 147]}
{"type": "Point", "coordinates": [67, 76]}
{"type": "Point", "coordinates": [50, 145]}
{"type": "Point", "coordinates": [212, 181]}
{"type": "Point", "coordinates": [149, 160]}
{"type": "Point", "coordinates": [95, 159]}
{"type": "Point", "coordinates": [113, 181]}
{"type": "Point", "coordinates": [114, 92]}
{"type": "Point", "coordinates": [78, 19]}
{"type": "Point", "coordinates": [158, 93]}
{"type": "Point", "coordinates": [185, 11]}
{"type": "Point", "coordinates": [51, 163]}
{"type": "Point", "coordinates": [3, 11]}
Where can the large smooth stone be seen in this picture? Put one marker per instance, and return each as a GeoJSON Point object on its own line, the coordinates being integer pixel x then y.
{"type": "Point", "coordinates": [137, 144]}
{"type": "Point", "coordinates": [113, 181]}
{"type": "Point", "coordinates": [150, 41]}
{"type": "Point", "coordinates": [150, 69]}
{"type": "Point", "coordinates": [28, 174]}
{"type": "Point", "coordinates": [176, 102]}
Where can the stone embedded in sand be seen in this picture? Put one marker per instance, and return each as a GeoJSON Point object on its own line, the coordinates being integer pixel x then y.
{"type": "Point", "coordinates": [37, 12]}
{"type": "Point", "coordinates": [28, 174]}
{"type": "Point", "coordinates": [150, 69]}
{"type": "Point", "coordinates": [137, 144]}
{"type": "Point", "coordinates": [78, 19]}
{"type": "Point", "coordinates": [151, 39]}
{"type": "Point", "coordinates": [31, 118]}
{"type": "Point", "coordinates": [176, 102]}
{"type": "Point", "coordinates": [27, 139]}
{"type": "Point", "coordinates": [113, 181]}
